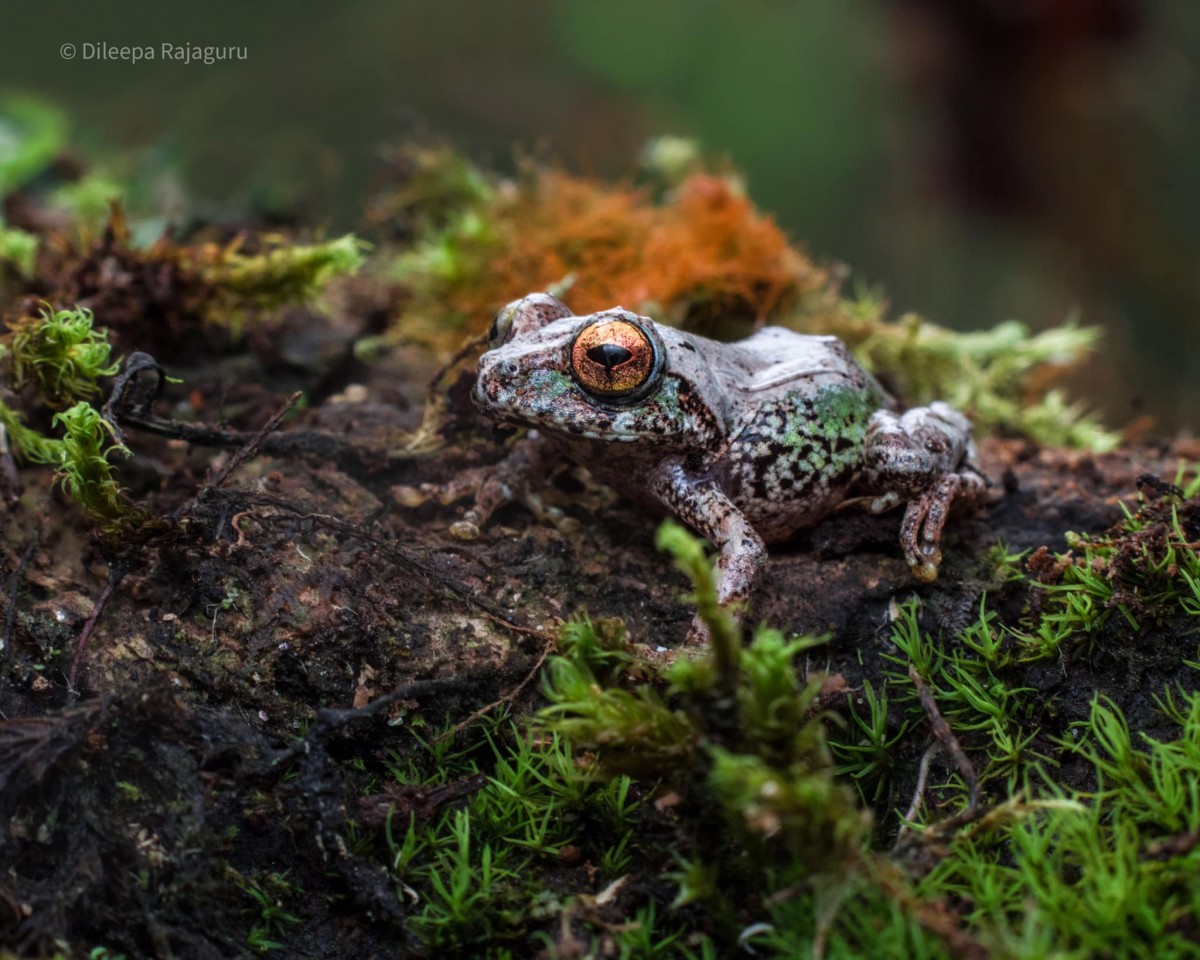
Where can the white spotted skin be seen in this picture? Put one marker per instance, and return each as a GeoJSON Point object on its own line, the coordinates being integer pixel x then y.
{"type": "Point", "coordinates": [747, 442]}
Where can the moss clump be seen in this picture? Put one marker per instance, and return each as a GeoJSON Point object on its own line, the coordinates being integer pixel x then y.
{"type": "Point", "coordinates": [59, 354]}
{"type": "Point", "coordinates": [734, 737]}
{"type": "Point", "coordinates": [279, 275]}
{"type": "Point", "coordinates": [61, 358]}
{"type": "Point", "coordinates": [700, 250]}
{"type": "Point", "coordinates": [168, 296]}
{"type": "Point", "coordinates": [18, 250]}
{"type": "Point", "coordinates": [997, 376]}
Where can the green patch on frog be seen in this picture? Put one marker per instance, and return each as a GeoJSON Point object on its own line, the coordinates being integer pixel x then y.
{"type": "Point", "coordinates": [839, 416]}
{"type": "Point", "coordinates": [545, 387]}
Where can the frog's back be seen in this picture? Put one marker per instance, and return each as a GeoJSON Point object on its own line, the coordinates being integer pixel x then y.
{"type": "Point", "coordinates": [804, 404]}
{"type": "Point", "coordinates": [776, 359]}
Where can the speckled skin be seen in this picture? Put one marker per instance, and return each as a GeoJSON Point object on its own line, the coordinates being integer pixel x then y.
{"type": "Point", "coordinates": [745, 442]}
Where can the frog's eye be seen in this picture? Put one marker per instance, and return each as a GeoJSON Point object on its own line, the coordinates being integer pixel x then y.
{"type": "Point", "coordinates": [502, 327]}
{"type": "Point", "coordinates": [615, 360]}
{"type": "Point", "coordinates": [523, 316]}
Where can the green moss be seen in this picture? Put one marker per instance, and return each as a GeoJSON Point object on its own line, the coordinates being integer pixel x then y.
{"type": "Point", "coordinates": [281, 276]}
{"type": "Point", "coordinates": [1104, 875]}
{"type": "Point", "coordinates": [478, 873]}
{"type": "Point", "coordinates": [734, 736]}
{"type": "Point", "coordinates": [81, 458]}
{"type": "Point", "coordinates": [89, 200]}
{"type": "Point", "coordinates": [988, 374]}
{"type": "Point", "coordinates": [18, 250]}
{"type": "Point", "coordinates": [61, 358]}
{"type": "Point", "coordinates": [59, 354]}
{"type": "Point", "coordinates": [32, 134]}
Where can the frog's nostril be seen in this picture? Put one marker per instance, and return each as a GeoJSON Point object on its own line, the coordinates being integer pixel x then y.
{"type": "Point", "coordinates": [508, 368]}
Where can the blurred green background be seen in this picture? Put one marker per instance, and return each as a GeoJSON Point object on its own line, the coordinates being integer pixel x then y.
{"type": "Point", "coordinates": [976, 160]}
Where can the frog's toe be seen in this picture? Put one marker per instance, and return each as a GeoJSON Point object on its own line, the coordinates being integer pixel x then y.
{"type": "Point", "coordinates": [465, 529]}
{"type": "Point", "coordinates": [698, 634]}
{"type": "Point", "coordinates": [410, 497]}
{"type": "Point", "coordinates": [884, 503]}
{"type": "Point", "coordinates": [926, 572]}
{"type": "Point", "coordinates": [546, 513]}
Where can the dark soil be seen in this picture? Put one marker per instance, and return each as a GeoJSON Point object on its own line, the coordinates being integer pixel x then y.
{"type": "Point", "coordinates": [299, 584]}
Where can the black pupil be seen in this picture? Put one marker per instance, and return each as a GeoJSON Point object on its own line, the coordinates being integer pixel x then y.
{"type": "Point", "coordinates": [608, 355]}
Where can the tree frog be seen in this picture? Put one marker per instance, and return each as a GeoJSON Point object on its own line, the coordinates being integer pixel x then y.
{"type": "Point", "coordinates": [745, 442]}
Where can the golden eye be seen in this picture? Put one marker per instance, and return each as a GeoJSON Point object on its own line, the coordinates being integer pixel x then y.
{"type": "Point", "coordinates": [614, 359]}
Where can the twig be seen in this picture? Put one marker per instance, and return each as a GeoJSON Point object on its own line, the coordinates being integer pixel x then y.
{"type": "Point", "coordinates": [507, 698]}
{"type": "Point", "coordinates": [1177, 846]}
{"type": "Point", "coordinates": [329, 446]}
{"type": "Point", "coordinates": [941, 730]}
{"type": "Point", "coordinates": [935, 917]}
{"type": "Point", "coordinates": [121, 411]}
{"type": "Point", "coordinates": [244, 453]}
{"type": "Point", "coordinates": [10, 614]}
{"type": "Point", "coordinates": [116, 573]}
{"type": "Point", "coordinates": [918, 792]}
{"type": "Point", "coordinates": [458, 355]}
{"type": "Point", "coordinates": [114, 407]}
{"type": "Point", "coordinates": [252, 446]}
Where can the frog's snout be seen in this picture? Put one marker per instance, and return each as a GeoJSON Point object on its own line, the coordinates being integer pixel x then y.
{"type": "Point", "coordinates": [490, 379]}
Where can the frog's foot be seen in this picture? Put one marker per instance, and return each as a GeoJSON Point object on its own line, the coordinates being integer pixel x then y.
{"type": "Point", "coordinates": [926, 457]}
{"type": "Point", "coordinates": [490, 492]}
{"type": "Point", "coordinates": [493, 487]}
{"type": "Point", "coordinates": [921, 531]}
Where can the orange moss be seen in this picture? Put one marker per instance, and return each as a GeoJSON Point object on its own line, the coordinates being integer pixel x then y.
{"type": "Point", "coordinates": [705, 251]}
{"type": "Point", "coordinates": [715, 247]}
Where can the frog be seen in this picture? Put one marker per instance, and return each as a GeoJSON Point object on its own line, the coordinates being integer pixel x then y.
{"type": "Point", "coordinates": [745, 442]}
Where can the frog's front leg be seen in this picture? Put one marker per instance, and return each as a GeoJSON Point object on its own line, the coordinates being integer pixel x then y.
{"type": "Point", "coordinates": [925, 456]}
{"type": "Point", "coordinates": [512, 480]}
{"type": "Point", "coordinates": [703, 506]}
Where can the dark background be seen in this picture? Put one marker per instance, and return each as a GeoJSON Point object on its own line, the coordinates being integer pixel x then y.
{"type": "Point", "coordinates": [978, 160]}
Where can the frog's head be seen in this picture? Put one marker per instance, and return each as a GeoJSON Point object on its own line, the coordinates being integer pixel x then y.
{"type": "Point", "coordinates": [612, 376]}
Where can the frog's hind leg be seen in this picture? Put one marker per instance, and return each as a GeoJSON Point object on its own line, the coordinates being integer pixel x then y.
{"type": "Point", "coordinates": [925, 456]}
{"type": "Point", "coordinates": [921, 529]}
